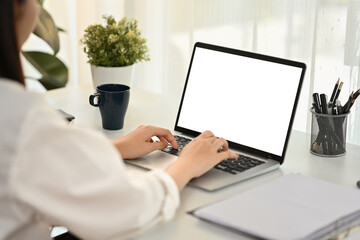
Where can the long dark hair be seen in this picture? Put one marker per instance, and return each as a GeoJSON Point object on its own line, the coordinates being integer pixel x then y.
{"type": "Point", "coordinates": [10, 64]}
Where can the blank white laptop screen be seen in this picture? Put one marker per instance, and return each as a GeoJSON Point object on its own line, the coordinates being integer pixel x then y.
{"type": "Point", "coordinates": [244, 100]}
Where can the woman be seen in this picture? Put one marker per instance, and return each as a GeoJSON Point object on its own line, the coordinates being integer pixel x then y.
{"type": "Point", "coordinates": [53, 174]}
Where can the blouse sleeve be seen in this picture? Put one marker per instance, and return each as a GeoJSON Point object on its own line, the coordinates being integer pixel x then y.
{"type": "Point", "coordinates": [76, 178]}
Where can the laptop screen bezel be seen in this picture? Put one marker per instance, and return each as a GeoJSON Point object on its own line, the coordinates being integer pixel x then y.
{"type": "Point", "coordinates": [233, 145]}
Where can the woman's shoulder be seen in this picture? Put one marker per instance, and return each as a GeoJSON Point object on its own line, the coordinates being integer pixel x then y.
{"type": "Point", "coordinates": [14, 96]}
{"type": "Point", "coordinates": [15, 106]}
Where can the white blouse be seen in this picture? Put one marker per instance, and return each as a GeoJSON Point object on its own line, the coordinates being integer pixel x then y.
{"type": "Point", "coordinates": [53, 174]}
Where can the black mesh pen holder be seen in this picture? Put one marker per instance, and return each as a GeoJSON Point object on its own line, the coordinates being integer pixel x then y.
{"type": "Point", "coordinates": [328, 134]}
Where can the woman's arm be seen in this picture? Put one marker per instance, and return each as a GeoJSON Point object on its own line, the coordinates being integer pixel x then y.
{"type": "Point", "coordinates": [73, 177]}
{"type": "Point", "coordinates": [139, 142]}
{"type": "Point", "coordinates": [199, 156]}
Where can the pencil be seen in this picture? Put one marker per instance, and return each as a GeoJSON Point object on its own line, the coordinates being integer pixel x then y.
{"type": "Point", "coordinates": [356, 94]}
{"type": "Point", "coordinates": [346, 107]}
{"type": "Point", "coordinates": [334, 92]}
{"type": "Point", "coordinates": [338, 91]}
{"type": "Point", "coordinates": [352, 103]}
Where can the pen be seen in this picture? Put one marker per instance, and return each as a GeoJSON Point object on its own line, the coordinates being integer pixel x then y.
{"type": "Point", "coordinates": [323, 103]}
{"type": "Point", "coordinates": [338, 106]}
{"type": "Point", "coordinates": [316, 108]}
{"type": "Point", "coordinates": [316, 100]}
{"type": "Point", "coordinates": [334, 92]}
{"type": "Point", "coordinates": [338, 92]}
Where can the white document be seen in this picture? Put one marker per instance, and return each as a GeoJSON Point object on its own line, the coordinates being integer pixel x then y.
{"type": "Point", "coordinates": [291, 207]}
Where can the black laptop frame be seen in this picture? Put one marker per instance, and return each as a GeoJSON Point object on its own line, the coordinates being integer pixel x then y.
{"type": "Point", "coordinates": [236, 146]}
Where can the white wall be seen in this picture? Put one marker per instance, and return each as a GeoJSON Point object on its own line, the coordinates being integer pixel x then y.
{"type": "Point", "coordinates": [323, 34]}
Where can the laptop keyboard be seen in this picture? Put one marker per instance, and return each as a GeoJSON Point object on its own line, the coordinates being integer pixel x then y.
{"type": "Point", "coordinates": [240, 164]}
{"type": "Point", "coordinates": [232, 166]}
{"type": "Point", "coordinates": [181, 141]}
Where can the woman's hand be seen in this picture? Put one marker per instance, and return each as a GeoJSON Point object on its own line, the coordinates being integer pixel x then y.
{"type": "Point", "coordinates": [139, 142]}
{"type": "Point", "coordinates": [198, 157]}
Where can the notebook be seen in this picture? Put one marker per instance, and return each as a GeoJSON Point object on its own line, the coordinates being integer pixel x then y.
{"type": "Point", "coordinates": [247, 98]}
{"type": "Point", "coordinates": [291, 207]}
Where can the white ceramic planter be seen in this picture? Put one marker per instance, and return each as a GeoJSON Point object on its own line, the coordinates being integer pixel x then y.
{"type": "Point", "coordinates": [121, 75]}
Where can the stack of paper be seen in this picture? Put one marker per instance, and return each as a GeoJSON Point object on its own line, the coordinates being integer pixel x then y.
{"type": "Point", "coordinates": [291, 207]}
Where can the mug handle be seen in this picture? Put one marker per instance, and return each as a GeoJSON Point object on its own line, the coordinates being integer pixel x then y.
{"type": "Point", "coordinates": [92, 97]}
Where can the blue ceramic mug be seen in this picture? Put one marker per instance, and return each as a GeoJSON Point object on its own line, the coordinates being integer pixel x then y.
{"type": "Point", "coordinates": [113, 101]}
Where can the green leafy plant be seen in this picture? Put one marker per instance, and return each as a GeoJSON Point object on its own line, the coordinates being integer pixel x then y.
{"type": "Point", "coordinates": [115, 44]}
{"type": "Point", "coordinates": [54, 72]}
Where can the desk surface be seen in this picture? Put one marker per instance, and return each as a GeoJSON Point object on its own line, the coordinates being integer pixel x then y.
{"type": "Point", "coordinates": [154, 109]}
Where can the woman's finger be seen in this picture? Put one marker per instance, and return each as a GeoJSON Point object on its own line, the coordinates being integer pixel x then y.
{"type": "Point", "coordinates": [163, 140]}
{"type": "Point", "coordinates": [206, 134]}
{"type": "Point", "coordinates": [163, 133]}
{"type": "Point", "coordinates": [155, 145]}
{"type": "Point", "coordinates": [221, 143]}
{"type": "Point", "coordinates": [212, 139]}
{"type": "Point", "coordinates": [226, 155]}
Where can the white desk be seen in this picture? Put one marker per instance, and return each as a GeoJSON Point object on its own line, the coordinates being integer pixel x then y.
{"type": "Point", "coordinates": [154, 109]}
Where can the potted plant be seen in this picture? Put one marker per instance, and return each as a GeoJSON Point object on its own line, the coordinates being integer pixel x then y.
{"type": "Point", "coordinates": [113, 50]}
{"type": "Point", "coordinates": [54, 72]}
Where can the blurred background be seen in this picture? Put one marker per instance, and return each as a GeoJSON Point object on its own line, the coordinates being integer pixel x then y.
{"type": "Point", "coordinates": [322, 33]}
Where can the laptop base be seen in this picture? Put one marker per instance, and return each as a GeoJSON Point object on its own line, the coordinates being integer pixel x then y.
{"type": "Point", "coordinates": [212, 180]}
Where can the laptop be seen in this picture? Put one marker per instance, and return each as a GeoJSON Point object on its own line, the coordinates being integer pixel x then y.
{"type": "Point", "coordinates": [247, 98]}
